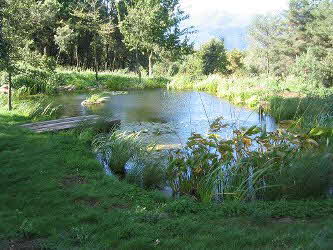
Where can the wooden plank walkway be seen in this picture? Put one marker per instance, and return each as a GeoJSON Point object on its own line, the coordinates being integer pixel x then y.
{"type": "Point", "coordinates": [66, 123]}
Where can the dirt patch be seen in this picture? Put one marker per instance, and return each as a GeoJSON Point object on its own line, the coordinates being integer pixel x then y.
{"type": "Point", "coordinates": [284, 220]}
{"type": "Point", "coordinates": [73, 180]}
{"type": "Point", "coordinates": [90, 202]}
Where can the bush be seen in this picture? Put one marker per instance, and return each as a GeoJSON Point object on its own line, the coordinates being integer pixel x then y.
{"type": "Point", "coordinates": [192, 66]}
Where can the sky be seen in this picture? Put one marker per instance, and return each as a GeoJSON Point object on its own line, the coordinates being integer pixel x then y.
{"type": "Point", "coordinates": [227, 18]}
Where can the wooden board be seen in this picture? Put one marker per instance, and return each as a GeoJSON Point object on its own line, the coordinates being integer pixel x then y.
{"type": "Point", "coordinates": [66, 123]}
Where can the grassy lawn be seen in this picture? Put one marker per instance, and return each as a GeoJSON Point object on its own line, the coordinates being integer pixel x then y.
{"type": "Point", "coordinates": [54, 194]}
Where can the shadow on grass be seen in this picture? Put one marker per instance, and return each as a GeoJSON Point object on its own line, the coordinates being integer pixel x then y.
{"type": "Point", "coordinates": [9, 119]}
{"type": "Point", "coordinates": [311, 110]}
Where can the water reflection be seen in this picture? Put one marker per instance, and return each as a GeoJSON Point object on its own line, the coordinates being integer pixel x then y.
{"type": "Point", "coordinates": [185, 111]}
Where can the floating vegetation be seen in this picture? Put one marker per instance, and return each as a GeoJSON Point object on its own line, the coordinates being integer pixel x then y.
{"type": "Point", "coordinates": [94, 100]}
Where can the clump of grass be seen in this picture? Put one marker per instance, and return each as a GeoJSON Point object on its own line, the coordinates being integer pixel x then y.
{"type": "Point", "coordinates": [119, 148]}
{"type": "Point", "coordinates": [38, 108]}
{"type": "Point", "coordinates": [88, 130]}
{"type": "Point", "coordinates": [118, 80]}
{"type": "Point", "coordinates": [303, 176]}
{"type": "Point", "coordinates": [309, 111]}
{"type": "Point", "coordinates": [147, 173]}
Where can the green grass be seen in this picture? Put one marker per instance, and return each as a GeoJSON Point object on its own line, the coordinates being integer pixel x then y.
{"type": "Point", "coordinates": [54, 194]}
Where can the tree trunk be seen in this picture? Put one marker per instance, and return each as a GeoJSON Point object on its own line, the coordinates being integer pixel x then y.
{"type": "Point", "coordinates": [10, 107]}
{"type": "Point", "coordinates": [77, 57]}
{"type": "Point", "coordinates": [96, 65]}
{"type": "Point", "coordinates": [58, 56]}
{"type": "Point", "coordinates": [268, 64]}
{"type": "Point", "coordinates": [138, 65]}
{"type": "Point", "coordinates": [107, 58]}
{"type": "Point", "coordinates": [114, 62]}
{"type": "Point", "coordinates": [151, 64]}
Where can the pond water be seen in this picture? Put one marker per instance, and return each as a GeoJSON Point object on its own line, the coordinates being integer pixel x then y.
{"type": "Point", "coordinates": [169, 117]}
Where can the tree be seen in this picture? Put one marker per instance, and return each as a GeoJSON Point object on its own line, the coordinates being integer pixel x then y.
{"type": "Point", "coordinates": [299, 16]}
{"type": "Point", "coordinates": [152, 27]}
{"type": "Point", "coordinates": [213, 57]}
{"type": "Point", "coordinates": [321, 29]}
{"type": "Point", "coordinates": [64, 38]}
{"type": "Point", "coordinates": [264, 32]}
{"type": "Point", "coordinates": [235, 61]}
{"type": "Point", "coordinates": [89, 21]}
{"type": "Point", "coordinates": [44, 17]}
{"type": "Point", "coordinates": [14, 32]}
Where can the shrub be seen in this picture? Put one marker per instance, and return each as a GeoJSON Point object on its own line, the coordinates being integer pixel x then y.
{"type": "Point", "coordinates": [235, 61]}
{"type": "Point", "coordinates": [315, 69]}
{"type": "Point", "coordinates": [174, 69]}
{"type": "Point", "coordinates": [192, 65]}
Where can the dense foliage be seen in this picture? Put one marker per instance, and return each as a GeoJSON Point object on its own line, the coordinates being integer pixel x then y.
{"type": "Point", "coordinates": [297, 42]}
{"type": "Point", "coordinates": [87, 33]}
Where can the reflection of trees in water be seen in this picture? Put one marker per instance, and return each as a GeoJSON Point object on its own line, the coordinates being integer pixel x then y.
{"type": "Point", "coordinates": [187, 111]}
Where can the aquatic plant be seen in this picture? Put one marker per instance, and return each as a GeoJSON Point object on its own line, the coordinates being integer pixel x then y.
{"type": "Point", "coordinates": [253, 164]}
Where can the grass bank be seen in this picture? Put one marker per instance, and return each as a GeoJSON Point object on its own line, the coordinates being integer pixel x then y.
{"type": "Point", "coordinates": [287, 99]}
{"type": "Point", "coordinates": [36, 82]}
{"type": "Point", "coordinates": [55, 195]}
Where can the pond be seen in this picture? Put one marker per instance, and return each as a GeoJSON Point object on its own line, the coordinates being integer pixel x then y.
{"type": "Point", "coordinates": [169, 117]}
